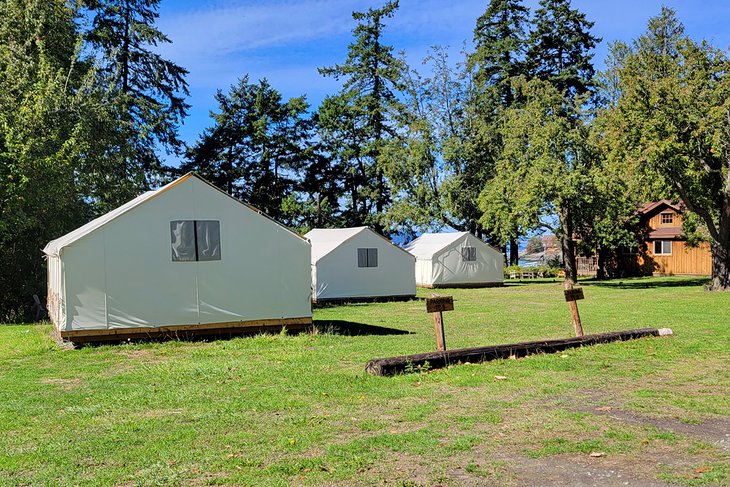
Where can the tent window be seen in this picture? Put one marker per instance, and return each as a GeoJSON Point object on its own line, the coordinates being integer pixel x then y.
{"type": "Point", "coordinates": [208, 237]}
{"type": "Point", "coordinates": [195, 240]}
{"type": "Point", "coordinates": [469, 254]}
{"type": "Point", "coordinates": [367, 257]}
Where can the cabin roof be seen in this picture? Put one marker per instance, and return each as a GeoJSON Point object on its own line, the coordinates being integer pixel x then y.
{"type": "Point", "coordinates": [654, 206]}
{"type": "Point", "coordinates": [666, 233]}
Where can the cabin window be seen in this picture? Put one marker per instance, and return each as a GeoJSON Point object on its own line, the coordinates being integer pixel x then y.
{"type": "Point", "coordinates": [662, 247]}
{"type": "Point", "coordinates": [367, 257]}
{"type": "Point", "coordinates": [667, 218]}
{"type": "Point", "coordinates": [469, 254]}
{"type": "Point", "coordinates": [195, 240]}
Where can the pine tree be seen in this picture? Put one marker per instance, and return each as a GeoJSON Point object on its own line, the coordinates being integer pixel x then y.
{"type": "Point", "coordinates": [358, 121]}
{"type": "Point", "coordinates": [561, 47]}
{"type": "Point", "coordinates": [546, 163]}
{"type": "Point", "coordinates": [148, 89]}
{"type": "Point", "coordinates": [500, 42]}
{"type": "Point", "coordinates": [560, 53]}
{"type": "Point", "coordinates": [257, 148]}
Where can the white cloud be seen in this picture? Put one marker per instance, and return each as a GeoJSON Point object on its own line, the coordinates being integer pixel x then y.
{"type": "Point", "coordinates": [214, 33]}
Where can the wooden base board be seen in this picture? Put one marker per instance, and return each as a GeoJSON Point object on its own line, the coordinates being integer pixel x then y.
{"type": "Point", "coordinates": [463, 285]}
{"type": "Point", "coordinates": [183, 331]}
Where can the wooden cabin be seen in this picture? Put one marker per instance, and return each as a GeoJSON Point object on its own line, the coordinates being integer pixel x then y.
{"type": "Point", "coordinates": [664, 250]}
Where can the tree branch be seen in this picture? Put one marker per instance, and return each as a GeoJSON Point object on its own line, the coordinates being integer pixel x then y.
{"type": "Point", "coordinates": [702, 212]}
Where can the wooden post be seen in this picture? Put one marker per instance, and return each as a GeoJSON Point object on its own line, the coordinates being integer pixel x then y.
{"type": "Point", "coordinates": [437, 305]}
{"type": "Point", "coordinates": [571, 296]}
{"type": "Point", "coordinates": [438, 325]}
{"type": "Point", "coordinates": [576, 318]}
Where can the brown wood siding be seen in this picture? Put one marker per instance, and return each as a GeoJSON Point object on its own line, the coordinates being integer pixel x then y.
{"type": "Point", "coordinates": [656, 221]}
{"type": "Point", "coordinates": [683, 260]}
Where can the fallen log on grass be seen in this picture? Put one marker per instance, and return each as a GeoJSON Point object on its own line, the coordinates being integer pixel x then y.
{"type": "Point", "coordinates": [437, 360]}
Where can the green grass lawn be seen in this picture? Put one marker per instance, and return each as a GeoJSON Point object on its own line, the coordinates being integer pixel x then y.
{"type": "Point", "coordinates": [281, 410]}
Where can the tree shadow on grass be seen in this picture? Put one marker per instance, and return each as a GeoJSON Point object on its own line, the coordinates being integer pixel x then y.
{"type": "Point", "coordinates": [524, 282]}
{"type": "Point", "coordinates": [351, 328]}
{"type": "Point", "coordinates": [334, 303]}
{"type": "Point", "coordinates": [335, 327]}
{"type": "Point", "coordinates": [642, 283]}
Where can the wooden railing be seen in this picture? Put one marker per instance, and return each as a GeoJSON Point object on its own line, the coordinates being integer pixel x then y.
{"type": "Point", "coordinates": [587, 265]}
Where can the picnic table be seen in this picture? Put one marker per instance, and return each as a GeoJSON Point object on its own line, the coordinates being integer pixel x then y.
{"type": "Point", "coordinates": [525, 274]}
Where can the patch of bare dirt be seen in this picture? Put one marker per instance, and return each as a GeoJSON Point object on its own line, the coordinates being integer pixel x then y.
{"type": "Point", "coordinates": [401, 468]}
{"type": "Point", "coordinates": [715, 431]}
{"type": "Point", "coordinates": [581, 470]}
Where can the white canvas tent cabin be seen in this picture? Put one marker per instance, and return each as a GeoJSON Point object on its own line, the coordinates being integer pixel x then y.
{"type": "Point", "coordinates": [456, 259]}
{"type": "Point", "coordinates": [359, 264]}
{"type": "Point", "coordinates": [185, 258]}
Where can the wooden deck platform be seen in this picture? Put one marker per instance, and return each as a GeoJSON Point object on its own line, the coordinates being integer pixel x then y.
{"type": "Point", "coordinates": [464, 285]}
{"type": "Point", "coordinates": [226, 329]}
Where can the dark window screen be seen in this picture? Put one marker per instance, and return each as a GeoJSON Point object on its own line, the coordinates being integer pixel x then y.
{"type": "Point", "coordinates": [367, 257]}
{"type": "Point", "coordinates": [469, 254]}
{"type": "Point", "coordinates": [193, 240]}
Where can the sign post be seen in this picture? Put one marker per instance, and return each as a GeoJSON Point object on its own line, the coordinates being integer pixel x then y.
{"type": "Point", "coordinates": [571, 296]}
{"type": "Point", "coordinates": [437, 305]}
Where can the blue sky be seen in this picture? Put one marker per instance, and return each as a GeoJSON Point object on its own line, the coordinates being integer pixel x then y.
{"type": "Point", "coordinates": [219, 41]}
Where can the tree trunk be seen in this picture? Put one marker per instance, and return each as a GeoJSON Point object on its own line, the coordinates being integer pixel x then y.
{"type": "Point", "coordinates": [514, 255]}
{"type": "Point", "coordinates": [504, 255]}
{"type": "Point", "coordinates": [319, 209]}
{"type": "Point", "coordinates": [720, 267]}
{"type": "Point", "coordinates": [568, 246]}
{"type": "Point", "coordinates": [602, 262]}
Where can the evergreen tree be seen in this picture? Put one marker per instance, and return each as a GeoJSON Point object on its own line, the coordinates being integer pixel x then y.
{"type": "Point", "coordinates": [500, 43]}
{"type": "Point", "coordinates": [148, 90]}
{"type": "Point", "coordinates": [257, 147]}
{"type": "Point", "coordinates": [561, 47]}
{"type": "Point", "coordinates": [358, 122]}
{"type": "Point", "coordinates": [547, 160]}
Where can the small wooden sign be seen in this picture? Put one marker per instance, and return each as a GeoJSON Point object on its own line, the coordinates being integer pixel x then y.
{"type": "Point", "coordinates": [439, 303]}
{"type": "Point", "coordinates": [574, 294]}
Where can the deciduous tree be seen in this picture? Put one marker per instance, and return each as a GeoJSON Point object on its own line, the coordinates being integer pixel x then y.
{"type": "Point", "coordinates": [675, 113]}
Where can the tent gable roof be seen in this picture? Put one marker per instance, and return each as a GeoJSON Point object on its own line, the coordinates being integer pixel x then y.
{"type": "Point", "coordinates": [430, 244]}
{"type": "Point", "coordinates": [326, 240]}
{"type": "Point", "coordinates": [54, 247]}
